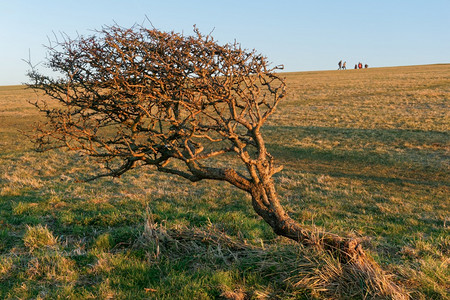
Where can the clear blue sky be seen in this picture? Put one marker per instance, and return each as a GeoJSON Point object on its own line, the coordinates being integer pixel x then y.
{"type": "Point", "coordinates": [302, 35]}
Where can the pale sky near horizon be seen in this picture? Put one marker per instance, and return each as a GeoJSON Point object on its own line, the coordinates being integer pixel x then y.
{"type": "Point", "coordinates": [301, 35]}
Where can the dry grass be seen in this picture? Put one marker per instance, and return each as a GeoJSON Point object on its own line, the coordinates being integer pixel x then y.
{"type": "Point", "coordinates": [366, 153]}
{"type": "Point", "coordinates": [39, 237]}
{"type": "Point", "coordinates": [414, 98]}
{"type": "Point", "coordinates": [297, 267]}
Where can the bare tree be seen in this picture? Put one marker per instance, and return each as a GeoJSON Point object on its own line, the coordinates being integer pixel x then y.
{"type": "Point", "coordinates": [183, 104]}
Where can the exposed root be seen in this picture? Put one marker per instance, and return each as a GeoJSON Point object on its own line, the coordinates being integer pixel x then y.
{"type": "Point", "coordinates": [350, 254]}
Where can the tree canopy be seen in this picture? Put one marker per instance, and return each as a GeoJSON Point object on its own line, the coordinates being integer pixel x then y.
{"type": "Point", "coordinates": [137, 96]}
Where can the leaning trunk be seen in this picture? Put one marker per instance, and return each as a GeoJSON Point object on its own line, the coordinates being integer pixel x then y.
{"type": "Point", "coordinates": [266, 204]}
{"type": "Point", "coordinates": [349, 251]}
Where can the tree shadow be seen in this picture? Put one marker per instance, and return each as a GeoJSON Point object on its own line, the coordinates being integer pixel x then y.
{"type": "Point", "coordinates": [425, 162]}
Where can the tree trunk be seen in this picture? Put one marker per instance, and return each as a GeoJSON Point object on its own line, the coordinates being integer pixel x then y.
{"type": "Point", "coordinates": [349, 251]}
{"type": "Point", "coordinates": [266, 204]}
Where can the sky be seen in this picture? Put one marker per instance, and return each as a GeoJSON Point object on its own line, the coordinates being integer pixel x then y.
{"type": "Point", "coordinates": [301, 35]}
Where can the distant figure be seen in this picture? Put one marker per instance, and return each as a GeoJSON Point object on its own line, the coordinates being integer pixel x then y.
{"type": "Point", "coordinates": [366, 66]}
{"type": "Point", "coordinates": [360, 65]}
{"type": "Point", "coordinates": [356, 67]}
{"type": "Point", "coordinates": [344, 66]}
{"type": "Point", "coordinates": [340, 64]}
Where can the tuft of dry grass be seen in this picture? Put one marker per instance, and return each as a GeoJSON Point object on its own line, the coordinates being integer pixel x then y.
{"type": "Point", "coordinates": [39, 237]}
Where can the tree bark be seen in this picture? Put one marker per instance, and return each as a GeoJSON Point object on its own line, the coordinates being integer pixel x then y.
{"type": "Point", "coordinates": [266, 203]}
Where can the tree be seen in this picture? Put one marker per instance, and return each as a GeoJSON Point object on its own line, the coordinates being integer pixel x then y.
{"type": "Point", "coordinates": [183, 104]}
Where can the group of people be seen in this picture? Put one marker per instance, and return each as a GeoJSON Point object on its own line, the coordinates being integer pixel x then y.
{"type": "Point", "coordinates": [360, 66]}
{"type": "Point", "coordinates": [343, 65]}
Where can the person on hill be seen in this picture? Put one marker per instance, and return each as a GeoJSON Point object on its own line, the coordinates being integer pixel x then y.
{"type": "Point", "coordinates": [356, 66]}
{"type": "Point", "coordinates": [340, 64]}
{"type": "Point", "coordinates": [359, 65]}
{"type": "Point", "coordinates": [344, 66]}
{"type": "Point", "coordinates": [366, 66]}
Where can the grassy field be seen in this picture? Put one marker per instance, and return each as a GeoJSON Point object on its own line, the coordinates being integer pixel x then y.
{"type": "Point", "coordinates": [366, 153]}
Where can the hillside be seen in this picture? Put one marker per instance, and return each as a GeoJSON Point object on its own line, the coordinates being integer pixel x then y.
{"type": "Point", "coordinates": [366, 153]}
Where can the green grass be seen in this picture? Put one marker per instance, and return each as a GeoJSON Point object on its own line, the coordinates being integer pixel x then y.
{"type": "Point", "coordinates": [365, 153]}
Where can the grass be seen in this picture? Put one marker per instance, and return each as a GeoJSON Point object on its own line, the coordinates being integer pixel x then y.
{"type": "Point", "coordinates": [366, 153]}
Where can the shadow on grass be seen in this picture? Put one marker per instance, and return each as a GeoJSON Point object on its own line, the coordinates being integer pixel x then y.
{"type": "Point", "coordinates": [358, 160]}
{"type": "Point", "coordinates": [378, 135]}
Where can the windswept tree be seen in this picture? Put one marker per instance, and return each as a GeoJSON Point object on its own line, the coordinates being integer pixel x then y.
{"type": "Point", "coordinates": [185, 105]}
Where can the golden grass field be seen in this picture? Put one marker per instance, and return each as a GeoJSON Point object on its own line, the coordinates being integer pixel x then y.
{"type": "Point", "coordinates": [366, 153]}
